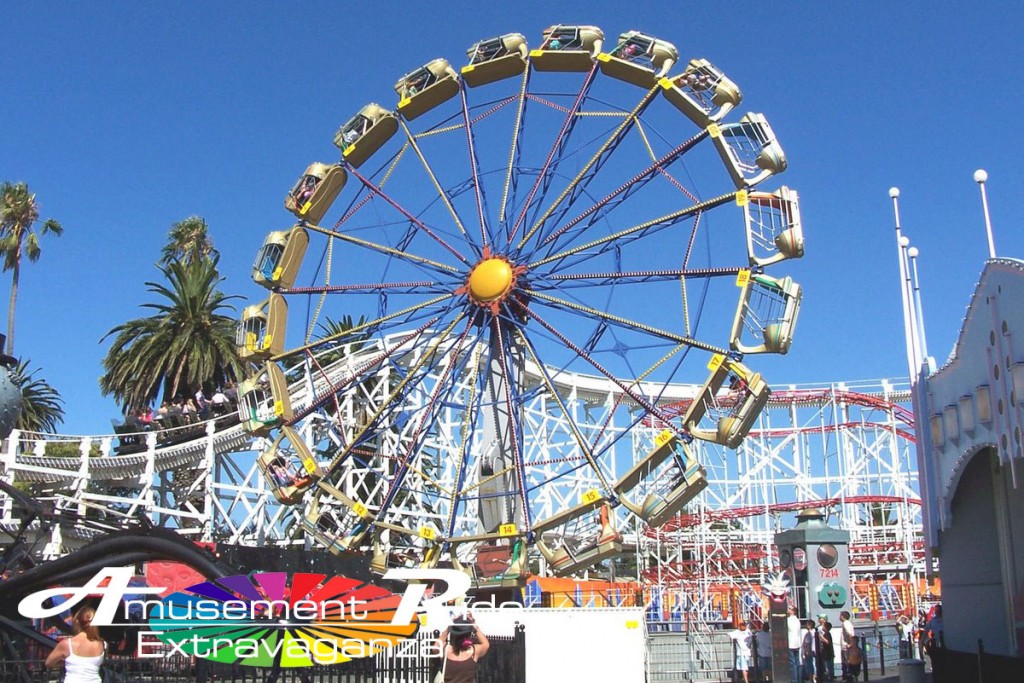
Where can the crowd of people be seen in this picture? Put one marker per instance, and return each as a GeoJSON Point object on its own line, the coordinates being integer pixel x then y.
{"type": "Point", "coordinates": [811, 650]}
{"type": "Point", "coordinates": [812, 646]}
{"type": "Point", "coordinates": [184, 410]}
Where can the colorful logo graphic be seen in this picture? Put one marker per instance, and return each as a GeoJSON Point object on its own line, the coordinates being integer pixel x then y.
{"type": "Point", "coordinates": [269, 618]}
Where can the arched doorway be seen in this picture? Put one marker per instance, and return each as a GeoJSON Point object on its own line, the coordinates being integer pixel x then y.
{"type": "Point", "coordinates": [973, 558]}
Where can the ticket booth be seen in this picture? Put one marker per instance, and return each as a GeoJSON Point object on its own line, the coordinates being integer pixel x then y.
{"type": "Point", "coordinates": [816, 559]}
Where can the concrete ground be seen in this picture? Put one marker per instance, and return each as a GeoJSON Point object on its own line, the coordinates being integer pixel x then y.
{"type": "Point", "coordinates": [894, 677]}
{"type": "Point", "coordinates": [892, 674]}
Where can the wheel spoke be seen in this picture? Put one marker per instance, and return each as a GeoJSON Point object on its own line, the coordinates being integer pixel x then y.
{"type": "Point", "coordinates": [629, 324]}
{"type": "Point", "coordinates": [366, 326]}
{"type": "Point", "coordinates": [665, 221]}
{"type": "Point", "coordinates": [514, 152]}
{"type": "Point", "coordinates": [581, 441]}
{"type": "Point", "coordinates": [433, 179]}
{"type": "Point", "coordinates": [471, 409]}
{"type": "Point", "coordinates": [432, 350]}
{"type": "Point", "coordinates": [334, 388]}
{"type": "Point", "coordinates": [579, 183]}
{"type": "Point", "coordinates": [630, 277]}
{"type": "Point", "coordinates": [567, 126]}
{"type": "Point", "coordinates": [514, 422]}
{"type": "Point", "coordinates": [471, 149]}
{"type": "Point", "coordinates": [640, 400]}
{"type": "Point", "coordinates": [384, 249]}
{"type": "Point", "coordinates": [427, 415]}
{"type": "Point", "coordinates": [623, 192]}
{"type": "Point", "coordinates": [415, 221]}
{"type": "Point", "coordinates": [415, 287]}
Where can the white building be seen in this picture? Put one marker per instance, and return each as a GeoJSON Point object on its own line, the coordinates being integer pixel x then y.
{"type": "Point", "coordinates": [972, 474]}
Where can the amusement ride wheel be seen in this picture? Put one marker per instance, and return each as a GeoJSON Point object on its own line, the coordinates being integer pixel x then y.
{"type": "Point", "coordinates": [526, 271]}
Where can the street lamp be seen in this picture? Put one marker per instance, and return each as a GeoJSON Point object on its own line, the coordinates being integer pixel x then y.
{"type": "Point", "coordinates": [980, 176]}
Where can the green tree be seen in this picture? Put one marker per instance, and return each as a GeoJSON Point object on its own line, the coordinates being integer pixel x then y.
{"type": "Point", "coordinates": [42, 408]}
{"type": "Point", "coordinates": [188, 241]}
{"type": "Point", "coordinates": [18, 214]}
{"type": "Point", "coordinates": [186, 343]}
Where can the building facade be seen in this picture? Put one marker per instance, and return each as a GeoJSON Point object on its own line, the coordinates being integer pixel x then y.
{"type": "Point", "coordinates": [972, 471]}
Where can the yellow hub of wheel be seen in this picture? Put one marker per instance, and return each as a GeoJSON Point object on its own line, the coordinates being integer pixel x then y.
{"type": "Point", "coordinates": [491, 279]}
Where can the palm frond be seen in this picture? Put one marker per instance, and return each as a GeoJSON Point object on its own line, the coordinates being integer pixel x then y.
{"type": "Point", "coordinates": [42, 408]}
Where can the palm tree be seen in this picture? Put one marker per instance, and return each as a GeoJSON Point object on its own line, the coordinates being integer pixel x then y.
{"type": "Point", "coordinates": [188, 342]}
{"type": "Point", "coordinates": [42, 408]}
{"type": "Point", "coordinates": [188, 241]}
{"type": "Point", "coordinates": [18, 213]}
{"type": "Point", "coordinates": [340, 328]}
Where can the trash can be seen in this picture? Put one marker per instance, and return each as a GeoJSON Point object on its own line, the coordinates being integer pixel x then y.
{"type": "Point", "coordinates": [911, 670]}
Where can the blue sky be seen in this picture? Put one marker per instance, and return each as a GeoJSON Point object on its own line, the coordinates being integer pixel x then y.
{"type": "Point", "coordinates": [124, 118]}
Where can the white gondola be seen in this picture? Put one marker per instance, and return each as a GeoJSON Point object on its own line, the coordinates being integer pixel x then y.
{"type": "Point", "coordinates": [279, 259]}
{"type": "Point", "coordinates": [749, 149]}
{"type": "Point", "coordinates": [495, 59]}
{"type": "Point", "coordinates": [639, 59]}
{"type": "Point", "coordinates": [702, 93]}
{"type": "Point", "coordinates": [668, 477]}
{"type": "Point", "coordinates": [568, 48]}
{"type": "Point", "coordinates": [731, 414]}
{"type": "Point", "coordinates": [672, 492]}
{"type": "Point", "coordinates": [365, 133]}
{"type": "Point", "coordinates": [315, 191]}
{"type": "Point", "coordinates": [767, 311]}
{"type": "Point", "coordinates": [774, 229]}
{"type": "Point", "coordinates": [262, 328]}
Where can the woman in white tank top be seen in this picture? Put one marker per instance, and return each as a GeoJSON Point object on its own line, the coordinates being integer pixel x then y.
{"type": "Point", "coordinates": [82, 653]}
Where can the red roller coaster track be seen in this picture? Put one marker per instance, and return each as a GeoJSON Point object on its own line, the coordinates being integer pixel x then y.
{"type": "Point", "coordinates": [691, 520]}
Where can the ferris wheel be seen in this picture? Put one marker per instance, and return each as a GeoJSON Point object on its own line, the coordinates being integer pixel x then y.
{"type": "Point", "coordinates": [513, 240]}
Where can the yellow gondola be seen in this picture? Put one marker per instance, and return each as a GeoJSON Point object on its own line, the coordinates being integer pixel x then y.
{"type": "Point", "coordinates": [261, 329]}
{"type": "Point", "coordinates": [568, 48]}
{"type": "Point", "coordinates": [425, 88]}
{"type": "Point", "coordinates": [639, 59]}
{"type": "Point", "coordinates": [499, 563]}
{"type": "Point", "coordinates": [365, 133]}
{"type": "Point", "coordinates": [575, 553]}
{"type": "Point", "coordinates": [278, 261]}
{"type": "Point", "coordinates": [774, 229]}
{"type": "Point", "coordinates": [702, 93]}
{"type": "Point", "coordinates": [749, 149]}
{"type": "Point", "coordinates": [339, 528]}
{"type": "Point", "coordinates": [495, 59]}
{"type": "Point", "coordinates": [263, 401]}
{"type": "Point", "coordinates": [289, 467]}
{"type": "Point", "coordinates": [315, 191]}
{"type": "Point", "coordinates": [671, 478]}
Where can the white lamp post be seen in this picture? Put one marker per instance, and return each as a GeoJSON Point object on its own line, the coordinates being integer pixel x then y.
{"type": "Point", "coordinates": [980, 176]}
